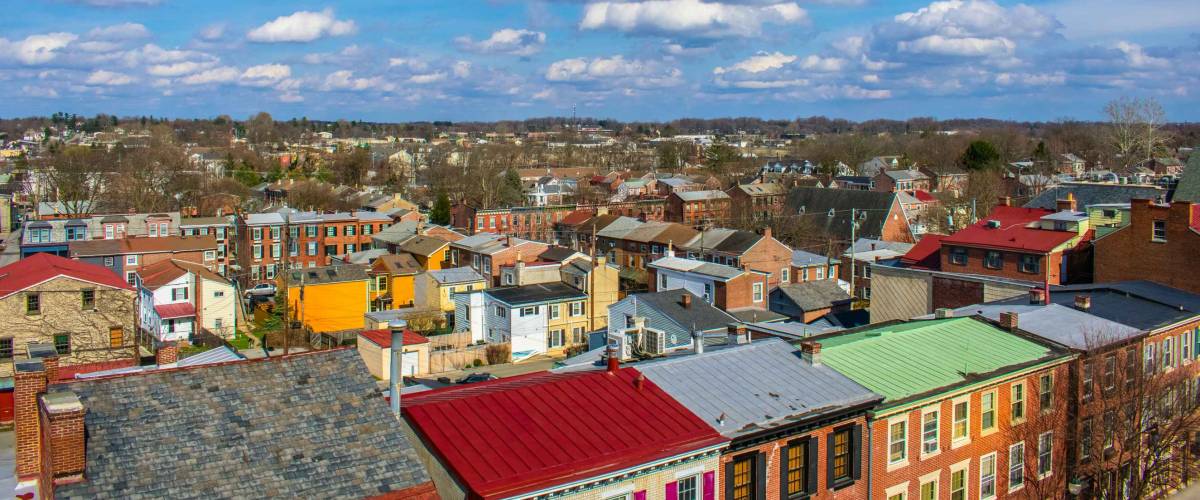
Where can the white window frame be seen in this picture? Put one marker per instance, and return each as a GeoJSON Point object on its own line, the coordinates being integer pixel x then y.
{"type": "Point", "coordinates": [892, 440]}
{"type": "Point", "coordinates": [900, 490]}
{"type": "Point", "coordinates": [820, 271]}
{"type": "Point", "coordinates": [131, 260]}
{"type": "Point", "coordinates": [934, 478]}
{"type": "Point", "coordinates": [1013, 401]}
{"type": "Point", "coordinates": [529, 311]}
{"type": "Point", "coordinates": [1042, 385]}
{"type": "Point", "coordinates": [1013, 465]}
{"type": "Point", "coordinates": [957, 441]}
{"type": "Point", "coordinates": [696, 487]}
{"type": "Point", "coordinates": [964, 467]}
{"type": "Point", "coordinates": [988, 458]}
{"type": "Point", "coordinates": [1168, 353]}
{"type": "Point", "coordinates": [574, 311]}
{"type": "Point", "coordinates": [757, 292]}
{"type": "Point", "coordinates": [662, 281]}
{"type": "Point", "coordinates": [984, 431]}
{"type": "Point", "coordinates": [937, 431]}
{"type": "Point", "coordinates": [554, 311]}
{"type": "Point", "coordinates": [1046, 438]}
{"type": "Point", "coordinates": [785, 275]}
{"type": "Point", "coordinates": [804, 275]}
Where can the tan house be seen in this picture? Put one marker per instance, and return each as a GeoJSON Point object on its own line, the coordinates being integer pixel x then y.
{"type": "Point", "coordinates": [375, 347]}
{"type": "Point", "coordinates": [434, 289]}
{"type": "Point", "coordinates": [86, 311]}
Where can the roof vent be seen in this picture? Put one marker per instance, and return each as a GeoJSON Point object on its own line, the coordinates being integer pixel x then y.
{"type": "Point", "coordinates": [993, 223]}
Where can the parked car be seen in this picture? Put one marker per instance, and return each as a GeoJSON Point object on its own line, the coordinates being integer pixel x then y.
{"type": "Point", "coordinates": [476, 377]}
{"type": "Point", "coordinates": [261, 290]}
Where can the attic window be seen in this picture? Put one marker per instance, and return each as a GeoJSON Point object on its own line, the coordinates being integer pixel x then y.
{"type": "Point", "coordinates": [862, 215]}
{"type": "Point", "coordinates": [831, 212]}
{"type": "Point", "coordinates": [801, 209]}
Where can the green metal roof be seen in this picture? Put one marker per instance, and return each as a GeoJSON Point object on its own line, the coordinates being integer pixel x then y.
{"type": "Point", "coordinates": [907, 359]}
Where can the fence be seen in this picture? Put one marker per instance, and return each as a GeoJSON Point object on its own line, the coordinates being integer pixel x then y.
{"type": "Point", "coordinates": [454, 351]}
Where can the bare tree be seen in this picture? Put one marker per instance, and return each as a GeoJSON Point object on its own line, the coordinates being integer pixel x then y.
{"type": "Point", "coordinates": [1134, 127]}
{"type": "Point", "coordinates": [75, 177]}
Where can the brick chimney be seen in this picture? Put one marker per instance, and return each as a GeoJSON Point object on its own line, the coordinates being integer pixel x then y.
{"type": "Point", "coordinates": [29, 380]}
{"type": "Point", "coordinates": [1005, 201]}
{"type": "Point", "coordinates": [1067, 204]}
{"type": "Point", "coordinates": [738, 334]}
{"type": "Point", "coordinates": [685, 300]}
{"type": "Point", "coordinates": [1083, 302]}
{"type": "Point", "coordinates": [767, 232]}
{"type": "Point", "coordinates": [167, 353]}
{"type": "Point", "coordinates": [1008, 320]}
{"type": "Point", "coordinates": [810, 350]}
{"type": "Point", "coordinates": [62, 413]}
{"type": "Point", "coordinates": [1037, 296]}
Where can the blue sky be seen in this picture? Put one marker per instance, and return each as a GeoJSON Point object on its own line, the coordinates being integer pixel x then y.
{"type": "Point", "coordinates": [625, 59]}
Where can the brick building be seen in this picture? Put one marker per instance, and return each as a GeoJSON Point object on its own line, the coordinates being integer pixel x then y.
{"type": "Point", "coordinates": [312, 239]}
{"type": "Point", "coordinates": [1029, 244]}
{"type": "Point", "coordinates": [543, 223]}
{"type": "Point", "coordinates": [823, 215]}
{"type": "Point", "coordinates": [223, 229]}
{"type": "Point", "coordinates": [728, 288]}
{"type": "Point", "coordinates": [699, 208]}
{"type": "Point", "coordinates": [487, 253]}
{"type": "Point", "coordinates": [1159, 241]}
{"type": "Point", "coordinates": [128, 256]}
{"type": "Point", "coordinates": [744, 249]}
{"type": "Point", "coordinates": [758, 201]}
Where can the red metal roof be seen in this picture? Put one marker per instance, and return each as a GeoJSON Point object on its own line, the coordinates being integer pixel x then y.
{"type": "Point", "coordinates": [577, 217]}
{"type": "Point", "coordinates": [41, 267]}
{"type": "Point", "coordinates": [383, 338]}
{"type": "Point", "coordinates": [177, 310]}
{"type": "Point", "coordinates": [1012, 233]}
{"type": "Point", "coordinates": [926, 254]}
{"type": "Point", "coordinates": [518, 435]}
{"type": "Point", "coordinates": [924, 196]}
{"type": "Point", "coordinates": [68, 372]}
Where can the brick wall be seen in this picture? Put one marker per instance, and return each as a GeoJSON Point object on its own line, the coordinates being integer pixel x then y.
{"type": "Point", "coordinates": [771, 451]}
{"type": "Point", "coordinates": [1050, 266]}
{"type": "Point", "coordinates": [769, 256]}
{"type": "Point", "coordinates": [1130, 254]}
{"type": "Point", "coordinates": [955, 293]}
{"type": "Point", "coordinates": [895, 228]}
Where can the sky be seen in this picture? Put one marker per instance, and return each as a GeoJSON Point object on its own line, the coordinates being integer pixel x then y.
{"type": "Point", "coordinates": [411, 60]}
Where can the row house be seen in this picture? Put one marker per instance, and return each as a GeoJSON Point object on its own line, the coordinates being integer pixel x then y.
{"type": "Point", "coordinates": [312, 239]}
{"type": "Point", "coordinates": [744, 249]}
{"type": "Point", "coordinates": [329, 299]}
{"type": "Point", "coordinates": [659, 323]}
{"type": "Point", "coordinates": [808, 266]}
{"type": "Point", "coordinates": [804, 441]}
{"type": "Point", "coordinates": [55, 236]}
{"type": "Point", "coordinates": [699, 208]}
{"type": "Point", "coordinates": [907, 180]}
{"type": "Point", "coordinates": [127, 257]}
{"type": "Point", "coordinates": [543, 222]}
{"type": "Point", "coordinates": [434, 290]}
{"type": "Point", "coordinates": [1029, 244]}
{"type": "Point", "coordinates": [189, 298]}
{"type": "Point", "coordinates": [757, 202]}
{"type": "Point", "coordinates": [392, 282]}
{"type": "Point", "coordinates": [810, 301]}
{"type": "Point", "coordinates": [863, 256]}
{"type": "Point", "coordinates": [946, 178]}
{"type": "Point", "coordinates": [1159, 240]}
{"type": "Point", "coordinates": [391, 237]}
{"type": "Point", "coordinates": [84, 311]}
{"type": "Point", "coordinates": [728, 288]}
{"type": "Point", "coordinates": [487, 253]}
{"type": "Point", "coordinates": [846, 215]}
{"type": "Point", "coordinates": [632, 244]}
{"type": "Point", "coordinates": [223, 229]}
{"type": "Point", "coordinates": [652, 445]}
{"type": "Point", "coordinates": [969, 410]}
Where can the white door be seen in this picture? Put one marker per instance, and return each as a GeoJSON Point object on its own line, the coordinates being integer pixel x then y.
{"type": "Point", "coordinates": [408, 364]}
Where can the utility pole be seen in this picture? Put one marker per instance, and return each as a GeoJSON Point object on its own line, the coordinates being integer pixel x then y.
{"type": "Point", "coordinates": [853, 263]}
{"type": "Point", "coordinates": [283, 253]}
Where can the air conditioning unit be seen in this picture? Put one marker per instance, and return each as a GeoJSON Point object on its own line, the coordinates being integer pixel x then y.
{"type": "Point", "coordinates": [654, 342]}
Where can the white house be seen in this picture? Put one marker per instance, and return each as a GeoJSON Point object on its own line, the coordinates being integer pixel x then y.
{"type": "Point", "coordinates": [188, 297]}
{"type": "Point", "coordinates": [521, 315]}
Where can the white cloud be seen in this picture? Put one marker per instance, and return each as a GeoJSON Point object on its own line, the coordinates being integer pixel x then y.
{"type": "Point", "coordinates": [1030, 79]}
{"type": "Point", "coordinates": [123, 31]}
{"type": "Point", "coordinates": [108, 78]}
{"type": "Point", "coordinates": [822, 64]}
{"type": "Point", "coordinates": [37, 49]}
{"type": "Point", "coordinates": [154, 54]}
{"type": "Point", "coordinates": [212, 32]}
{"type": "Point", "coordinates": [758, 63]}
{"type": "Point", "coordinates": [614, 70]}
{"type": "Point", "coordinates": [39, 91]}
{"type": "Point", "coordinates": [961, 46]}
{"type": "Point", "coordinates": [179, 68]}
{"type": "Point", "coordinates": [98, 46]}
{"type": "Point", "coordinates": [427, 78]}
{"type": "Point", "coordinates": [518, 42]}
{"type": "Point", "coordinates": [1137, 58]}
{"type": "Point", "coordinates": [224, 74]}
{"type": "Point", "coordinates": [302, 26]}
{"type": "Point", "coordinates": [461, 69]}
{"type": "Point", "coordinates": [408, 63]}
{"type": "Point", "coordinates": [689, 18]}
{"type": "Point", "coordinates": [265, 75]}
{"type": "Point", "coordinates": [964, 28]}
{"type": "Point", "coordinates": [345, 80]}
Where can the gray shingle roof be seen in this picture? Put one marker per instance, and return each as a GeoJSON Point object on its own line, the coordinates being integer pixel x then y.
{"type": "Point", "coordinates": [701, 314]}
{"type": "Point", "coordinates": [818, 201]}
{"type": "Point", "coordinates": [1188, 188]}
{"type": "Point", "coordinates": [537, 293]}
{"type": "Point", "coordinates": [311, 425]}
{"type": "Point", "coordinates": [1088, 194]}
{"type": "Point", "coordinates": [702, 195]}
{"type": "Point", "coordinates": [758, 386]}
{"type": "Point", "coordinates": [455, 275]}
{"type": "Point", "coordinates": [718, 271]}
{"type": "Point", "coordinates": [812, 295]}
{"type": "Point", "coordinates": [800, 258]}
{"type": "Point", "coordinates": [329, 274]}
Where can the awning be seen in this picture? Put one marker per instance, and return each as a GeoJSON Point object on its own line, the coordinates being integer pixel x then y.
{"type": "Point", "coordinates": [179, 310]}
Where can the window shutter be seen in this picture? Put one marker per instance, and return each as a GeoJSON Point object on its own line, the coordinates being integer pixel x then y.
{"type": "Point", "coordinates": [729, 480]}
{"type": "Point", "coordinates": [810, 461]}
{"type": "Point", "coordinates": [760, 476]}
{"type": "Point", "coordinates": [672, 491]}
{"type": "Point", "coordinates": [710, 485]}
{"type": "Point", "coordinates": [783, 471]}
{"type": "Point", "coordinates": [829, 460]}
{"type": "Point", "coordinates": [639, 495]}
{"type": "Point", "coordinates": [1196, 343]}
{"type": "Point", "coordinates": [856, 452]}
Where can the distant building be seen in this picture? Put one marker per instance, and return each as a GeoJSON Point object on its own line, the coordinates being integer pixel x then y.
{"type": "Point", "coordinates": [1159, 241]}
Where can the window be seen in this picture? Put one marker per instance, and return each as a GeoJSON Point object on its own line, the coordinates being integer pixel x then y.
{"type": "Point", "coordinates": [270, 271]}
{"type": "Point", "coordinates": [6, 348]}
{"type": "Point", "coordinates": [688, 488]}
{"type": "Point", "coordinates": [256, 251]}
{"type": "Point", "coordinates": [929, 432]}
{"type": "Point", "coordinates": [577, 335]}
{"type": "Point", "coordinates": [708, 292]}
{"type": "Point", "coordinates": [841, 455]}
{"type": "Point", "coordinates": [1166, 352]}
{"type": "Point", "coordinates": [330, 231]}
{"type": "Point", "coordinates": [116, 337]}
{"type": "Point", "coordinates": [108, 262]}
{"type": "Point", "coordinates": [796, 468]}
{"type": "Point", "coordinates": [310, 231]}
{"type": "Point", "coordinates": [758, 292]}
{"type": "Point", "coordinates": [958, 484]}
{"type": "Point", "coordinates": [218, 323]}
{"type": "Point", "coordinates": [742, 482]}
{"type": "Point", "coordinates": [987, 411]}
{"type": "Point", "coordinates": [554, 312]}
{"type": "Point", "coordinates": [1085, 439]}
{"type": "Point", "coordinates": [180, 293]}
{"type": "Point", "coordinates": [821, 273]}
{"type": "Point", "coordinates": [501, 312]}
{"type": "Point", "coordinates": [348, 230]}
{"type": "Point", "coordinates": [1018, 401]}
{"type": "Point", "coordinates": [528, 311]}
{"type": "Point", "coordinates": [210, 255]}
{"type": "Point", "coordinates": [219, 293]}
{"type": "Point", "coordinates": [1110, 371]}
{"type": "Point", "coordinates": [1160, 231]}
{"type": "Point", "coordinates": [1087, 380]}
{"type": "Point", "coordinates": [1110, 422]}
{"type": "Point", "coordinates": [555, 339]}
{"type": "Point", "coordinates": [958, 256]}
{"type": "Point", "coordinates": [1151, 358]}
{"type": "Point", "coordinates": [785, 275]}
{"type": "Point", "coordinates": [367, 229]}
{"type": "Point", "coordinates": [508, 278]}
{"type": "Point", "coordinates": [577, 309]}
{"type": "Point", "coordinates": [33, 303]}
{"type": "Point", "coordinates": [993, 260]}
{"type": "Point", "coordinates": [1131, 356]}
{"type": "Point", "coordinates": [662, 281]}
{"type": "Point", "coordinates": [1016, 467]}
{"type": "Point", "coordinates": [804, 275]}
{"type": "Point", "coordinates": [962, 419]}
{"type": "Point", "coordinates": [275, 233]}
{"type": "Point", "coordinates": [1185, 347]}
{"type": "Point", "coordinates": [1045, 454]}
{"type": "Point", "coordinates": [987, 476]}
{"type": "Point", "coordinates": [154, 230]}
{"type": "Point", "coordinates": [62, 343]}
{"type": "Point", "coordinates": [256, 233]}
{"type": "Point", "coordinates": [929, 490]}
{"type": "Point", "coordinates": [88, 298]}
{"type": "Point", "coordinates": [131, 260]}
{"type": "Point", "coordinates": [311, 248]}
{"type": "Point", "coordinates": [381, 283]}
{"type": "Point", "coordinates": [275, 249]}
{"type": "Point", "coordinates": [1046, 392]}
{"type": "Point", "coordinates": [898, 441]}
{"type": "Point", "coordinates": [130, 277]}
{"type": "Point", "coordinates": [1030, 264]}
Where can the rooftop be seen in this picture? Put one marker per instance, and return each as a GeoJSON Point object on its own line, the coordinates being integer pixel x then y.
{"type": "Point", "coordinates": [701, 195]}
{"type": "Point", "coordinates": [552, 429]}
{"type": "Point", "coordinates": [536, 294]}
{"type": "Point", "coordinates": [717, 271]}
{"type": "Point", "coordinates": [1062, 324]}
{"type": "Point", "coordinates": [800, 258]}
{"type": "Point", "coordinates": [383, 338]}
{"type": "Point", "coordinates": [700, 315]}
{"type": "Point", "coordinates": [1144, 305]}
{"type": "Point", "coordinates": [455, 275]}
{"type": "Point", "coordinates": [1012, 231]}
{"type": "Point", "coordinates": [814, 295]}
{"type": "Point", "coordinates": [41, 267]}
{"type": "Point", "coordinates": [328, 274]}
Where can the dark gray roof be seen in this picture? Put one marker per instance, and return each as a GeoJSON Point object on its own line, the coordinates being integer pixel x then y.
{"type": "Point", "coordinates": [1058, 323]}
{"type": "Point", "coordinates": [812, 295]}
{"type": "Point", "coordinates": [423, 245]}
{"type": "Point", "coordinates": [801, 258]}
{"type": "Point", "coordinates": [817, 202]}
{"type": "Point", "coordinates": [749, 388]}
{"type": "Point", "coordinates": [533, 294]}
{"type": "Point", "coordinates": [557, 254]}
{"type": "Point", "coordinates": [329, 274]}
{"type": "Point", "coordinates": [1143, 305]}
{"type": "Point", "coordinates": [754, 315]}
{"type": "Point", "coordinates": [669, 303]}
{"type": "Point", "coordinates": [311, 425]}
{"type": "Point", "coordinates": [1088, 194]}
{"type": "Point", "coordinates": [1188, 188]}
{"type": "Point", "coordinates": [737, 242]}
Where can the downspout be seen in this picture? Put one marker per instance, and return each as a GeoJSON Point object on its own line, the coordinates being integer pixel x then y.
{"type": "Point", "coordinates": [870, 449]}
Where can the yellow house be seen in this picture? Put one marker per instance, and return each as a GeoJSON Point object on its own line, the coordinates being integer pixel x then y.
{"type": "Point", "coordinates": [329, 298]}
{"type": "Point", "coordinates": [600, 282]}
{"type": "Point", "coordinates": [391, 285]}
{"type": "Point", "coordinates": [431, 253]}
{"type": "Point", "coordinates": [434, 288]}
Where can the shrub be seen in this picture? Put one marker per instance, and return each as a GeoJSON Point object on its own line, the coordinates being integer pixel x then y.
{"type": "Point", "coordinates": [498, 353]}
{"type": "Point", "coordinates": [478, 362]}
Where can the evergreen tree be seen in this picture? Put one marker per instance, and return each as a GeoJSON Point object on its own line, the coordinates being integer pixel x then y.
{"type": "Point", "coordinates": [980, 155]}
{"type": "Point", "coordinates": [441, 210]}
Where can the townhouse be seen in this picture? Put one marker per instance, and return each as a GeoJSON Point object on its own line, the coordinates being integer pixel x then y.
{"type": "Point", "coordinates": [651, 446]}
{"type": "Point", "coordinates": [634, 244]}
{"type": "Point", "coordinates": [1029, 244]}
{"type": "Point", "coordinates": [189, 298]}
{"type": "Point", "coordinates": [486, 253]}
{"type": "Point", "coordinates": [757, 202]}
{"type": "Point", "coordinates": [908, 180]}
{"type": "Point", "coordinates": [809, 301]}
{"type": "Point", "coordinates": [733, 290]}
{"type": "Point", "coordinates": [699, 208]}
{"type": "Point", "coordinates": [1159, 240]}
{"type": "Point", "coordinates": [391, 281]}
{"type": "Point", "coordinates": [795, 425]}
{"type": "Point", "coordinates": [434, 290]}
{"type": "Point", "coordinates": [540, 222]}
{"type": "Point", "coordinates": [312, 239]}
{"type": "Point", "coordinates": [744, 249]}
{"type": "Point", "coordinates": [846, 215]}
{"type": "Point", "coordinates": [223, 229]}
{"type": "Point", "coordinates": [543, 318]}
{"type": "Point", "coordinates": [808, 266]}
{"type": "Point", "coordinates": [329, 298]}
{"type": "Point", "coordinates": [56, 235]}
{"type": "Point", "coordinates": [970, 410]}
{"type": "Point", "coordinates": [127, 256]}
{"type": "Point", "coordinates": [862, 257]}
{"type": "Point", "coordinates": [659, 323]}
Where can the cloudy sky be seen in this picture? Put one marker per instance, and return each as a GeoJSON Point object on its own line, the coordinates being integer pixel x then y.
{"type": "Point", "coordinates": [625, 59]}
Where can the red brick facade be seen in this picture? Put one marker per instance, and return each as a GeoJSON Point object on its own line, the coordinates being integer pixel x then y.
{"type": "Point", "coordinates": [262, 249]}
{"type": "Point", "coordinates": [1133, 253]}
{"type": "Point", "coordinates": [769, 455]}
{"type": "Point", "coordinates": [716, 210]}
{"type": "Point", "coordinates": [1049, 265]}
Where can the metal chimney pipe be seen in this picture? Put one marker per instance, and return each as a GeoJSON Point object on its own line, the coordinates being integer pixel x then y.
{"type": "Point", "coordinates": [396, 382]}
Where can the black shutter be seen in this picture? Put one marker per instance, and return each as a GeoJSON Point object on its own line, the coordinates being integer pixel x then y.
{"type": "Point", "coordinates": [760, 476]}
{"type": "Point", "coordinates": [829, 459]}
{"type": "Point", "coordinates": [783, 470]}
{"type": "Point", "coordinates": [856, 452]}
{"type": "Point", "coordinates": [810, 461]}
{"type": "Point", "coordinates": [729, 479]}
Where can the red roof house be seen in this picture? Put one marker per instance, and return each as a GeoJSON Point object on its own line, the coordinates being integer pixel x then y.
{"type": "Point", "coordinates": [1028, 244]}
{"type": "Point", "coordinates": [545, 432]}
{"type": "Point", "coordinates": [42, 267]}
